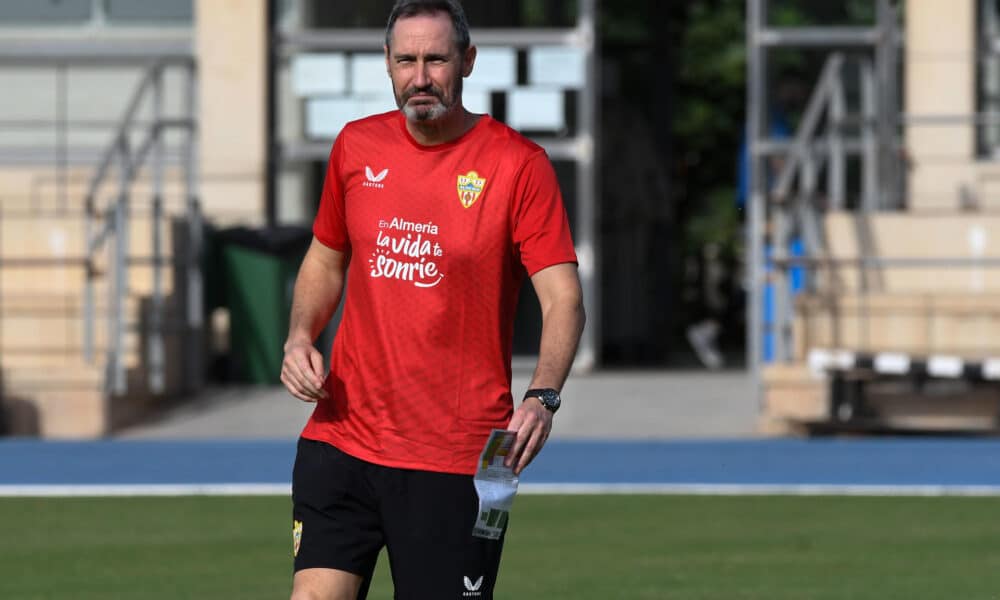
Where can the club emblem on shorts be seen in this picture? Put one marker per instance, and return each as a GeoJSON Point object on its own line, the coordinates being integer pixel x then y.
{"type": "Point", "coordinates": [296, 537]}
{"type": "Point", "coordinates": [470, 186]}
{"type": "Point", "coordinates": [473, 588]}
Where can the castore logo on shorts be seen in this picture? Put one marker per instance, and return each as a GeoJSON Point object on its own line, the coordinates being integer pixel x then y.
{"type": "Point", "coordinates": [473, 588]}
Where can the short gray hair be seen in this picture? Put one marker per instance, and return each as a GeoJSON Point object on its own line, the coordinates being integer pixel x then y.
{"type": "Point", "coordinates": [413, 8]}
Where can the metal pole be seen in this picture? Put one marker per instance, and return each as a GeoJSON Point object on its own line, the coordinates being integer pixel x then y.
{"type": "Point", "coordinates": [810, 228]}
{"type": "Point", "coordinates": [869, 142]}
{"type": "Point", "coordinates": [812, 37]}
{"type": "Point", "coordinates": [588, 246]}
{"type": "Point", "coordinates": [113, 308]}
{"type": "Point", "coordinates": [896, 170]}
{"type": "Point", "coordinates": [1, 291]}
{"type": "Point", "coordinates": [812, 236]}
{"type": "Point", "coordinates": [836, 167]}
{"type": "Point", "coordinates": [155, 350]}
{"type": "Point", "coordinates": [124, 127]}
{"type": "Point", "coordinates": [885, 63]}
{"type": "Point", "coordinates": [756, 123]}
{"type": "Point", "coordinates": [88, 280]}
{"type": "Point", "coordinates": [808, 126]}
{"type": "Point", "coordinates": [989, 30]}
{"type": "Point", "coordinates": [99, 52]}
{"type": "Point", "coordinates": [194, 221]}
{"type": "Point", "coordinates": [62, 135]}
{"type": "Point", "coordinates": [777, 276]}
{"type": "Point", "coordinates": [271, 63]}
{"type": "Point", "coordinates": [371, 40]}
{"type": "Point", "coordinates": [119, 264]}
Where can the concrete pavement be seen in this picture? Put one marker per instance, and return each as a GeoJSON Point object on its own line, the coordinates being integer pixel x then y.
{"type": "Point", "coordinates": [601, 405]}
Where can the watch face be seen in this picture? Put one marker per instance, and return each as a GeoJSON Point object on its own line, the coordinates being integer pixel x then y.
{"type": "Point", "coordinates": [550, 399]}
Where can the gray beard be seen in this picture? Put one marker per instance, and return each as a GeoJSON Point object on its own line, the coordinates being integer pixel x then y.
{"type": "Point", "coordinates": [435, 112]}
{"type": "Point", "coordinates": [425, 113]}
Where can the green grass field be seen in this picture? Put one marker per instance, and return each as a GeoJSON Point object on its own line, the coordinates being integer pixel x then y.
{"type": "Point", "coordinates": [575, 547]}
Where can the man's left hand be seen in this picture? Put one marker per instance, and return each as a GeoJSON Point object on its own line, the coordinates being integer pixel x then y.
{"type": "Point", "coordinates": [532, 422]}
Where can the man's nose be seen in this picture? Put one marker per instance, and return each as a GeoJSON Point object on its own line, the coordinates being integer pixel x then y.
{"type": "Point", "coordinates": [420, 78]}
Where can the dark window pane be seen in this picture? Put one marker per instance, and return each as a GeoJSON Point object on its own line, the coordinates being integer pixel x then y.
{"type": "Point", "coordinates": [322, 13]}
{"type": "Point", "coordinates": [44, 11]}
{"type": "Point", "coordinates": [481, 13]}
{"type": "Point", "coordinates": [150, 10]}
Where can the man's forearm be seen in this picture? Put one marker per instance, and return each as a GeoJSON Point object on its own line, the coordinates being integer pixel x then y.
{"type": "Point", "coordinates": [318, 288]}
{"type": "Point", "coordinates": [562, 326]}
{"type": "Point", "coordinates": [561, 299]}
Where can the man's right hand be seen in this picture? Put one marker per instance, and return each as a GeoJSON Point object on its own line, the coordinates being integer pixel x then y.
{"type": "Point", "coordinates": [302, 371]}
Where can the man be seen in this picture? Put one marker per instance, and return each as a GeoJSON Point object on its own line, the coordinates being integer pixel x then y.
{"type": "Point", "coordinates": [439, 213]}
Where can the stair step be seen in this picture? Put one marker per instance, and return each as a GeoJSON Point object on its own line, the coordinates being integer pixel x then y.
{"type": "Point", "coordinates": [946, 323]}
{"type": "Point", "coordinates": [58, 413]}
{"type": "Point", "coordinates": [46, 388]}
{"type": "Point", "coordinates": [793, 392]}
{"type": "Point", "coordinates": [65, 377]}
{"type": "Point", "coordinates": [57, 360]}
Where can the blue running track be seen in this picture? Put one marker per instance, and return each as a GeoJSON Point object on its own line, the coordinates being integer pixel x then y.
{"type": "Point", "coordinates": [911, 466]}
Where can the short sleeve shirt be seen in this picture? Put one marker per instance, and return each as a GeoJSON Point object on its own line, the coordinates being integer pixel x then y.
{"type": "Point", "coordinates": [440, 239]}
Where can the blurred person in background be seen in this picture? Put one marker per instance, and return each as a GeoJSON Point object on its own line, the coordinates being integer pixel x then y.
{"type": "Point", "coordinates": [709, 271]}
{"type": "Point", "coordinates": [439, 213]}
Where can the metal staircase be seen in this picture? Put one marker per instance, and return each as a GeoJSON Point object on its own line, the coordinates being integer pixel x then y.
{"type": "Point", "coordinates": [893, 327]}
{"type": "Point", "coordinates": [100, 265]}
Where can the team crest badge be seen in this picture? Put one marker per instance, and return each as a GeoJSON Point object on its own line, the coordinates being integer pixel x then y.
{"type": "Point", "coordinates": [470, 186]}
{"type": "Point", "coordinates": [296, 537]}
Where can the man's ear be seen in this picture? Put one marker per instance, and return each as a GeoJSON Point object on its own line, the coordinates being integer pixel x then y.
{"type": "Point", "coordinates": [468, 61]}
{"type": "Point", "coordinates": [386, 50]}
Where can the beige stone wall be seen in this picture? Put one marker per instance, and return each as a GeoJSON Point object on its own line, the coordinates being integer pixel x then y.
{"type": "Point", "coordinates": [917, 235]}
{"type": "Point", "coordinates": [940, 70]}
{"type": "Point", "coordinates": [231, 45]}
{"type": "Point", "coordinates": [43, 375]}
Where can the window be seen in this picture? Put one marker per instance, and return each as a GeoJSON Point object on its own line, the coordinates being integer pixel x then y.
{"type": "Point", "coordinates": [988, 75]}
{"type": "Point", "coordinates": [149, 11]}
{"type": "Point", "coordinates": [69, 13]}
{"type": "Point", "coordinates": [46, 12]}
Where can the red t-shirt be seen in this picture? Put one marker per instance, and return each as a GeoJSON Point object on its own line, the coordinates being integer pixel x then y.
{"type": "Point", "coordinates": [440, 238]}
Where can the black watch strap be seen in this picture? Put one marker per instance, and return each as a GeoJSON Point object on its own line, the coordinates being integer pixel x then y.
{"type": "Point", "coordinates": [549, 397]}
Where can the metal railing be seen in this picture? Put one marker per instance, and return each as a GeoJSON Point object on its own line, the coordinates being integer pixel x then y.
{"type": "Point", "coordinates": [853, 113]}
{"type": "Point", "coordinates": [145, 141]}
{"type": "Point", "coordinates": [110, 227]}
{"type": "Point", "coordinates": [786, 204]}
{"type": "Point", "coordinates": [796, 212]}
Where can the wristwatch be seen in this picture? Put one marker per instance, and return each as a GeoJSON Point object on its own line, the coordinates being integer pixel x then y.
{"type": "Point", "coordinates": [547, 396]}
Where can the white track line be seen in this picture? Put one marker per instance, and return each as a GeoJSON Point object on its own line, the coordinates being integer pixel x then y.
{"type": "Point", "coordinates": [167, 489]}
{"type": "Point", "coordinates": [725, 489]}
{"type": "Point", "coordinates": [697, 489]}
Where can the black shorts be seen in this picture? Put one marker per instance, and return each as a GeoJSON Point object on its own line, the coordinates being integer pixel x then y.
{"type": "Point", "coordinates": [346, 509]}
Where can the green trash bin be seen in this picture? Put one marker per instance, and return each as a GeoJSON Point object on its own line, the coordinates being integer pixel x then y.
{"type": "Point", "coordinates": [259, 268]}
